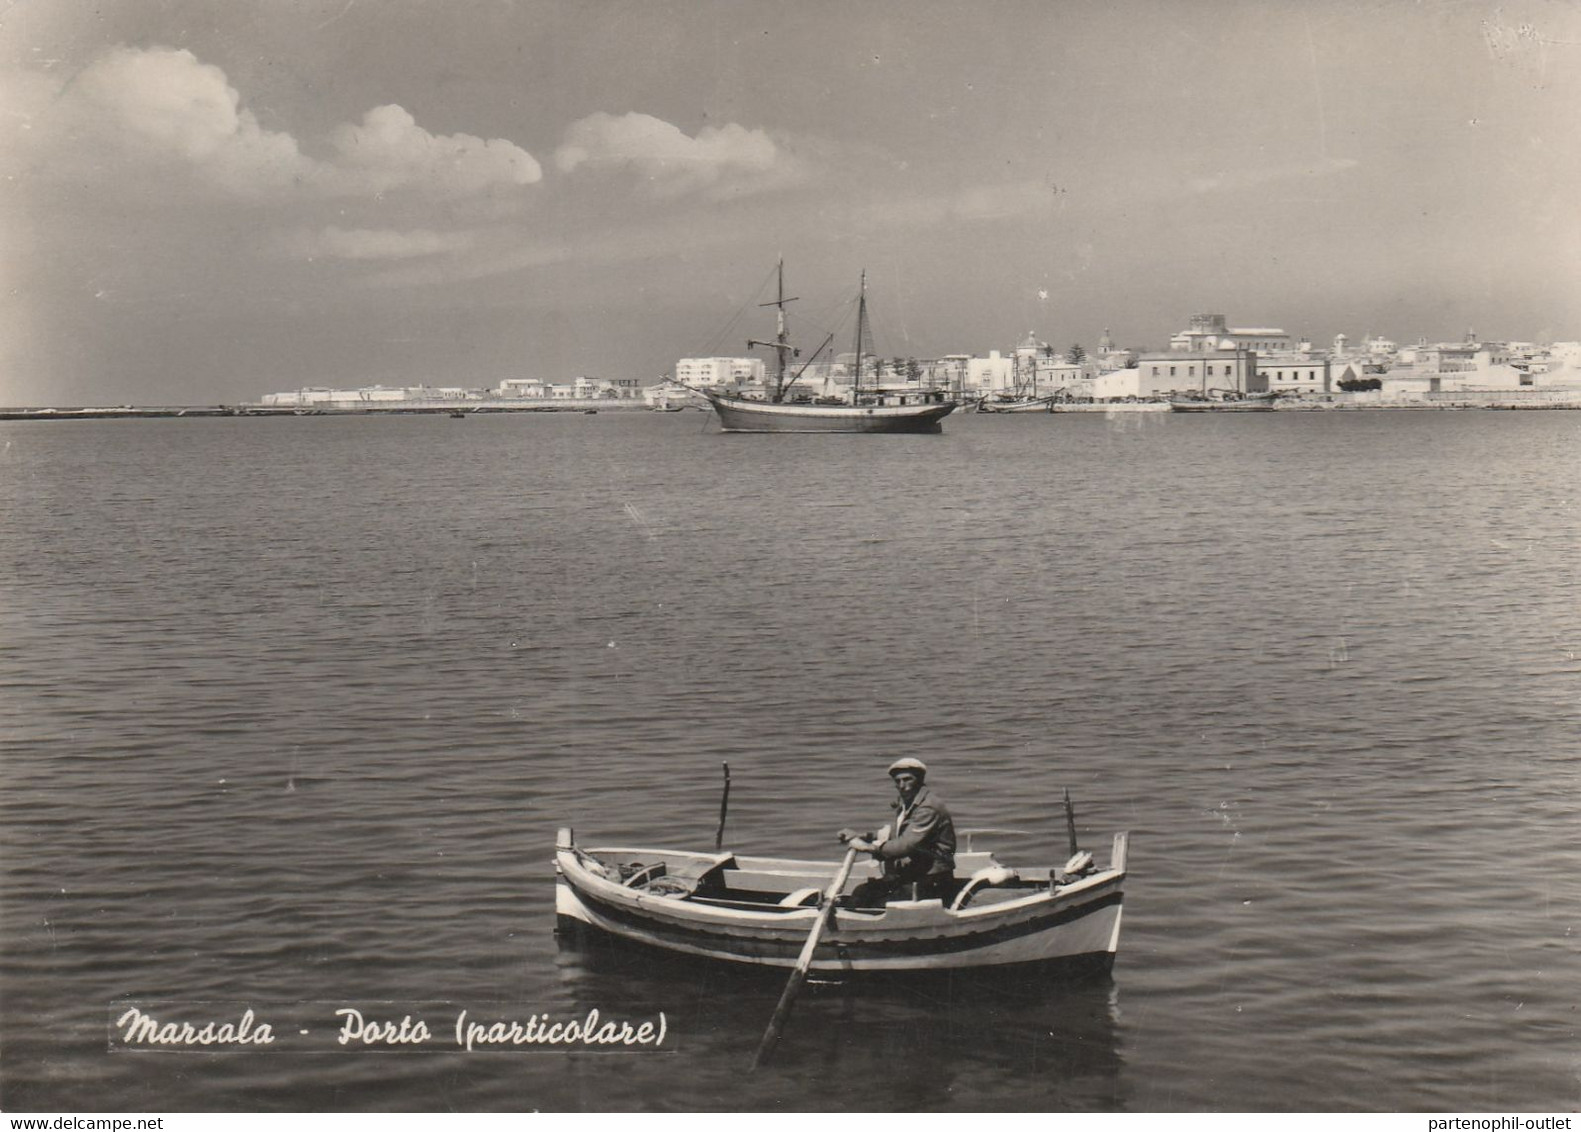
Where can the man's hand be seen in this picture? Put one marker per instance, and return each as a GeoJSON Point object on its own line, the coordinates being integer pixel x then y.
{"type": "Point", "coordinates": [849, 835]}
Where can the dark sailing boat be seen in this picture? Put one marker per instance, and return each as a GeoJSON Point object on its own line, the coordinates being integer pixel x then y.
{"type": "Point", "coordinates": [871, 411]}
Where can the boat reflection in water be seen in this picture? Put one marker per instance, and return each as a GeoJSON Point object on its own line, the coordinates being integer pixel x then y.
{"type": "Point", "coordinates": [982, 1040]}
{"type": "Point", "coordinates": [945, 989]}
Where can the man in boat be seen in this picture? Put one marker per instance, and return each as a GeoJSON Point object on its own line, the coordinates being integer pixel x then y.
{"type": "Point", "coordinates": [919, 857]}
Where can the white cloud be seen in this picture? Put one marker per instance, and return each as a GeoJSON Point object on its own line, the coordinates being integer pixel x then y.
{"type": "Point", "coordinates": [376, 243]}
{"type": "Point", "coordinates": [389, 149]}
{"type": "Point", "coordinates": [720, 161]}
{"type": "Point", "coordinates": [148, 108]}
{"type": "Point", "coordinates": [156, 106]}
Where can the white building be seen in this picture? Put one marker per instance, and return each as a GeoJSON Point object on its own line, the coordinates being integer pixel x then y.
{"type": "Point", "coordinates": [993, 374]}
{"type": "Point", "coordinates": [1117, 385]}
{"type": "Point", "coordinates": [1454, 369]}
{"type": "Point", "coordinates": [1202, 373]}
{"type": "Point", "coordinates": [371, 395]}
{"type": "Point", "coordinates": [710, 373]}
{"type": "Point", "coordinates": [1296, 375]}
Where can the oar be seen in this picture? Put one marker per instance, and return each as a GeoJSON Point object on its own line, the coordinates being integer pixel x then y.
{"type": "Point", "coordinates": [798, 976]}
{"type": "Point", "coordinates": [1070, 823]}
{"type": "Point", "coordinates": [724, 806]}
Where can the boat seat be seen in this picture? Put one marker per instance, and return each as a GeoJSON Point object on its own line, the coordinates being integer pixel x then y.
{"type": "Point", "coordinates": [695, 870]}
{"type": "Point", "coordinates": [802, 898]}
{"type": "Point", "coordinates": [982, 878]}
{"type": "Point", "coordinates": [968, 864]}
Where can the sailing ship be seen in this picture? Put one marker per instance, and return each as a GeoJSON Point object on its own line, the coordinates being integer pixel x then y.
{"type": "Point", "coordinates": [875, 410]}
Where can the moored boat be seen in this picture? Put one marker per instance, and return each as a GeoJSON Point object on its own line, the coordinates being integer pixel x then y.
{"type": "Point", "coordinates": [1021, 405]}
{"type": "Point", "coordinates": [758, 910]}
{"type": "Point", "coordinates": [1224, 402]}
{"type": "Point", "coordinates": [1221, 406]}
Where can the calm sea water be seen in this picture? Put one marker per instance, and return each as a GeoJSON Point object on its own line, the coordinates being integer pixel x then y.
{"type": "Point", "coordinates": [293, 708]}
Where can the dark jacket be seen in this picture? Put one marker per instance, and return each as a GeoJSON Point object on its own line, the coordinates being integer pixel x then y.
{"type": "Point", "coordinates": [924, 840]}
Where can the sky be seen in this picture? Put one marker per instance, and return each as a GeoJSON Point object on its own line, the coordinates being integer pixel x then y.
{"type": "Point", "coordinates": [203, 201]}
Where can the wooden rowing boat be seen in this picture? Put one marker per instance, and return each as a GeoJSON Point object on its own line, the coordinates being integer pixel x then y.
{"type": "Point", "coordinates": [758, 910]}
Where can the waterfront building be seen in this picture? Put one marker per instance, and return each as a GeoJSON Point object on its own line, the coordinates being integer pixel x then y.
{"type": "Point", "coordinates": [1199, 372]}
{"type": "Point", "coordinates": [1296, 374]}
{"type": "Point", "coordinates": [1116, 385]}
{"type": "Point", "coordinates": [1454, 369]}
{"type": "Point", "coordinates": [712, 373]}
{"type": "Point", "coordinates": [298, 398]}
{"type": "Point", "coordinates": [1039, 371]}
{"type": "Point", "coordinates": [429, 396]}
{"type": "Point", "coordinates": [990, 375]}
{"type": "Point", "coordinates": [531, 387]}
{"type": "Point", "coordinates": [1055, 376]}
{"type": "Point", "coordinates": [318, 397]}
{"type": "Point", "coordinates": [1462, 357]}
{"type": "Point", "coordinates": [581, 389]}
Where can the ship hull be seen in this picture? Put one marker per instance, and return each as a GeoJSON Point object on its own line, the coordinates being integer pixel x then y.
{"type": "Point", "coordinates": [764, 416]}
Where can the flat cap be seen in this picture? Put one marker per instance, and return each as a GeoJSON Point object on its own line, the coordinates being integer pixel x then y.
{"type": "Point", "coordinates": [911, 764]}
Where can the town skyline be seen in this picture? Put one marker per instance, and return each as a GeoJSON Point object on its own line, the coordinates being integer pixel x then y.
{"type": "Point", "coordinates": [210, 201]}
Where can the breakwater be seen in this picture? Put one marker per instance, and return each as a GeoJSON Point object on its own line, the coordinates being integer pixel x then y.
{"type": "Point", "coordinates": [428, 408]}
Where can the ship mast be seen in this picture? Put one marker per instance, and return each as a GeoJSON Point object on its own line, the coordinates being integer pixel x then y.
{"type": "Point", "coordinates": [861, 319]}
{"type": "Point", "coordinates": [781, 344]}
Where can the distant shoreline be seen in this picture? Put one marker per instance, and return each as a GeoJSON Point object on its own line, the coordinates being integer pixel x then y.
{"type": "Point", "coordinates": [123, 412]}
{"type": "Point", "coordinates": [395, 409]}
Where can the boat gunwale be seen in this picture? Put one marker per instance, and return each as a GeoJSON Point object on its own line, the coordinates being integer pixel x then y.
{"type": "Point", "coordinates": [682, 910]}
{"type": "Point", "coordinates": [909, 947]}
